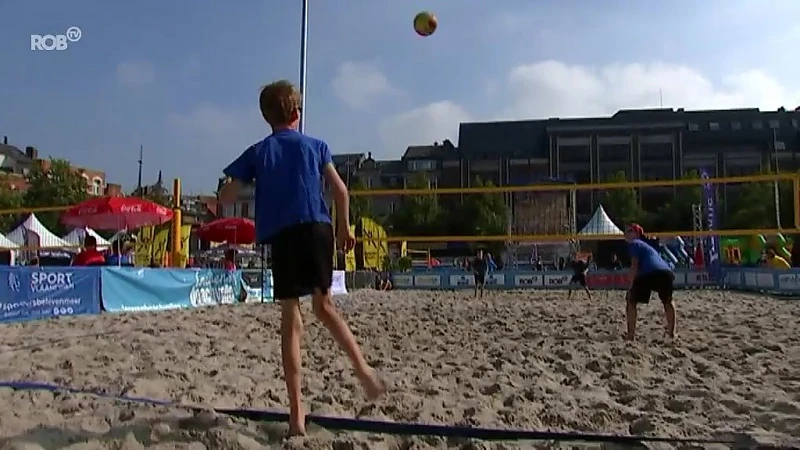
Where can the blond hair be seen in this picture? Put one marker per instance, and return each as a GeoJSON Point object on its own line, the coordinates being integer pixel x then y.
{"type": "Point", "coordinates": [278, 102]}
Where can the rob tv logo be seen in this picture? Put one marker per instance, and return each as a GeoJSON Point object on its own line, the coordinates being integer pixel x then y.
{"type": "Point", "coordinates": [58, 42]}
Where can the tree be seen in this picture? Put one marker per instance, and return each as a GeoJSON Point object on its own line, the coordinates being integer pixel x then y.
{"type": "Point", "coordinates": [54, 183]}
{"type": "Point", "coordinates": [676, 214]}
{"type": "Point", "coordinates": [481, 214]}
{"type": "Point", "coordinates": [752, 206]}
{"type": "Point", "coordinates": [622, 205]}
{"type": "Point", "coordinates": [360, 206]}
{"type": "Point", "coordinates": [9, 199]}
{"type": "Point", "coordinates": [417, 215]}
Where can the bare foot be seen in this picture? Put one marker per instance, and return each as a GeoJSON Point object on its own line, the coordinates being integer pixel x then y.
{"type": "Point", "coordinates": [296, 430]}
{"type": "Point", "coordinates": [373, 385]}
{"type": "Point", "coordinates": [297, 423]}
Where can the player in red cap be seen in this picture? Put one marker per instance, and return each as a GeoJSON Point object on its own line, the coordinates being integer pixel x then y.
{"type": "Point", "coordinates": [650, 274]}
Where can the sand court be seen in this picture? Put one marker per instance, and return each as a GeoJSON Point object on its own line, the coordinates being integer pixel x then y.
{"type": "Point", "coordinates": [524, 359]}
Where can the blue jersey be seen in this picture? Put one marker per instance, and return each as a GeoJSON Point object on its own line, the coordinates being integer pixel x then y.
{"type": "Point", "coordinates": [287, 168]}
{"type": "Point", "coordinates": [648, 257]}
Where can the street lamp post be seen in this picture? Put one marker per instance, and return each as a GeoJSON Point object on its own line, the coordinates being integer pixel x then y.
{"type": "Point", "coordinates": [303, 58]}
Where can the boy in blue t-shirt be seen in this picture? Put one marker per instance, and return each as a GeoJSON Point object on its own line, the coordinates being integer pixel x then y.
{"type": "Point", "coordinates": [650, 273]}
{"type": "Point", "coordinates": [291, 215]}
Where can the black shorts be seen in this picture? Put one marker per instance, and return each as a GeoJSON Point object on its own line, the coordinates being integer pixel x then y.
{"type": "Point", "coordinates": [578, 278]}
{"type": "Point", "coordinates": [661, 282]}
{"type": "Point", "coordinates": [480, 279]}
{"type": "Point", "coordinates": [302, 260]}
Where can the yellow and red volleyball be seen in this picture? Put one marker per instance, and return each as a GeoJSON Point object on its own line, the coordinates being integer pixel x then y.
{"type": "Point", "coordinates": [425, 23]}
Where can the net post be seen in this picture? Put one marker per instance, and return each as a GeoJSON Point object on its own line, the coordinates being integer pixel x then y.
{"type": "Point", "coordinates": [796, 202]}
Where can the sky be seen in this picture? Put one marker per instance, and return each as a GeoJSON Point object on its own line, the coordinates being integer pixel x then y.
{"type": "Point", "coordinates": [181, 78]}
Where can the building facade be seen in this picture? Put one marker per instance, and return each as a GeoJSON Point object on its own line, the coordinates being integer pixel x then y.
{"type": "Point", "coordinates": [16, 164]}
{"type": "Point", "coordinates": [649, 144]}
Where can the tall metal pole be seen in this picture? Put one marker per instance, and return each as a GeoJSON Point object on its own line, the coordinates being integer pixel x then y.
{"type": "Point", "coordinates": [776, 186]}
{"type": "Point", "coordinates": [303, 58]}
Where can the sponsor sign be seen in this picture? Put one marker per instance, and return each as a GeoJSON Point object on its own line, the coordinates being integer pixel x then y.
{"type": "Point", "coordinates": [465, 280]}
{"type": "Point", "coordinates": [403, 281]}
{"type": "Point", "coordinates": [528, 281]}
{"type": "Point", "coordinates": [556, 280]}
{"type": "Point", "coordinates": [428, 281]}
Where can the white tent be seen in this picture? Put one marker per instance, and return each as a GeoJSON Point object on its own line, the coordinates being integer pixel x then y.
{"type": "Point", "coordinates": [6, 244]}
{"type": "Point", "coordinates": [600, 223]}
{"type": "Point", "coordinates": [32, 233]}
{"type": "Point", "coordinates": [76, 236]}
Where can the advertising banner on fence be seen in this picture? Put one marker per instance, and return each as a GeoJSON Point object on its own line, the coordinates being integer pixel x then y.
{"type": "Point", "coordinates": [39, 293]}
{"type": "Point", "coordinates": [133, 289]}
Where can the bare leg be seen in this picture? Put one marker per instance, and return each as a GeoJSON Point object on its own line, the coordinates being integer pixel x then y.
{"type": "Point", "coordinates": [630, 317]}
{"type": "Point", "coordinates": [291, 333]}
{"type": "Point", "coordinates": [326, 312]}
{"type": "Point", "coordinates": [569, 292]}
{"type": "Point", "coordinates": [588, 292]}
{"type": "Point", "coordinates": [669, 314]}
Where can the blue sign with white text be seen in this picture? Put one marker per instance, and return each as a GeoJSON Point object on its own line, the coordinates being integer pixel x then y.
{"type": "Point", "coordinates": [133, 289]}
{"type": "Point", "coordinates": [39, 293]}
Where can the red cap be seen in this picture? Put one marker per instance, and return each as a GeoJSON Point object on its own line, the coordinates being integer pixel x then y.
{"type": "Point", "coordinates": [636, 228]}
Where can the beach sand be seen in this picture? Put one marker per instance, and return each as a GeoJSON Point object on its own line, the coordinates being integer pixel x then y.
{"type": "Point", "coordinates": [531, 360]}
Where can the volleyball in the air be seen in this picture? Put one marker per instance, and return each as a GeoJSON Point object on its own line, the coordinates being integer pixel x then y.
{"type": "Point", "coordinates": [425, 23]}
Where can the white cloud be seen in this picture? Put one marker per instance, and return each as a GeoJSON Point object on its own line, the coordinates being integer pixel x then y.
{"type": "Point", "coordinates": [555, 89]}
{"type": "Point", "coordinates": [359, 84]}
{"type": "Point", "coordinates": [423, 126]}
{"type": "Point", "coordinates": [135, 73]}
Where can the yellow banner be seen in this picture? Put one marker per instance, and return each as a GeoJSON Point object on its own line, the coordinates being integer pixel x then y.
{"type": "Point", "coordinates": [153, 245]}
{"type": "Point", "coordinates": [374, 252]}
{"type": "Point", "coordinates": [350, 257]}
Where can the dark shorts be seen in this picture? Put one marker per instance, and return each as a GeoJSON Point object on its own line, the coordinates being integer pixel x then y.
{"type": "Point", "coordinates": [661, 282]}
{"type": "Point", "coordinates": [302, 260]}
{"type": "Point", "coordinates": [578, 278]}
{"type": "Point", "coordinates": [480, 279]}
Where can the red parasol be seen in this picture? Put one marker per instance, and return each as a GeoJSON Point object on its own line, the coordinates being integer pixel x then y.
{"type": "Point", "coordinates": [233, 230]}
{"type": "Point", "coordinates": [116, 213]}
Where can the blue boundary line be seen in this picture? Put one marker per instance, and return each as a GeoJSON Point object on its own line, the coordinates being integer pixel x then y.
{"type": "Point", "coordinates": [376, 426]}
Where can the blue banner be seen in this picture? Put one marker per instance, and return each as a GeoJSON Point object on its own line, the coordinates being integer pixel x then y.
{"type": "Point", "coordinates": [713, 262]}
{"type": "Point", "coordinates": [132, 289]}
{"type": "Point", "coordinates": [40, 293]}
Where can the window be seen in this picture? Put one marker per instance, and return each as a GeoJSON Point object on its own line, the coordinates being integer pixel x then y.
{"type": "Point", "coordinates": [420, 165]}
{"type": "Point", "coordinates": [658, 152]}
{"type": "Point", "coordinates": [774, 124]}
{"type": "Point", "coordinates": [614, 153]}
{"type": "Point", "coordinates": [693, 127]}
{"type": "Point", "coordinates": [657, 173]}
{"type": "Point", "coordinates": [742, 170]}
{"type": "Point", "coordinates": [757, 125]}
{"type": "Point", "coordinates": [97, 186]}
{"type": "Point", "coordinates": [736, 125]}
{"type": "Point", "coordinates": [245, 209]}
{"type": "Point", "coordinates": [568, 154]}
{"type": "Point", "coordinates": [713, 126]}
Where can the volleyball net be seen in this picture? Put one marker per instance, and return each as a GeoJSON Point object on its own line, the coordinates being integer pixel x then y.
{"type": "Point", "coordinates": [694, 207]}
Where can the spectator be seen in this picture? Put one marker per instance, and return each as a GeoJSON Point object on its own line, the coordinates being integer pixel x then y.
{"type": "Point", "coordinates": [230, 259]}
{"type": "Point", "coordinates": [89, 256]}
{"type": "Point", "coordinates": [616, 264]}
{"type": "Point", "coordinates": [796, 251]}
{"type": "Point", "coordinates": [775, 261]}
{"type": "Point", "coordinates": [492, 266]}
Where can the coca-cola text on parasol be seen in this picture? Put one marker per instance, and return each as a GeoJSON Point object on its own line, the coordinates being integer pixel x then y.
{"type": "Point", "coordinates": [116, 213]}
{"type": "Point", "coordinates": [233, 230]}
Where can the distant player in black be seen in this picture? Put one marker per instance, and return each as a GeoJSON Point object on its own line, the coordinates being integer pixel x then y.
{"type": "Point", "coordinates": [479, 268]}
{"type": "Point", "coordinates": [580, 268]}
